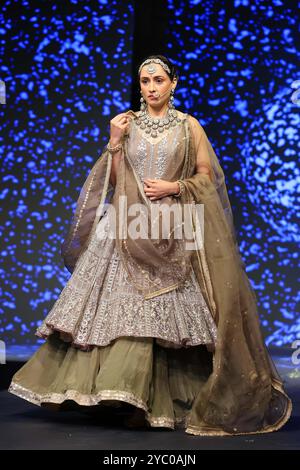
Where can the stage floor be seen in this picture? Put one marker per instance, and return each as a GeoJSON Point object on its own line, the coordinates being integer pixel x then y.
{"type": "Point", "coordinates": [26, 426]}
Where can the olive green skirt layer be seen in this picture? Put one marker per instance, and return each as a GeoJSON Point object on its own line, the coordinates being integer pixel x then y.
{"type": "Point", "coordinates": [161, 381]}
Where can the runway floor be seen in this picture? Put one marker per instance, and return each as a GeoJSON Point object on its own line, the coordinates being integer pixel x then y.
{"type": "Point", "coordinates": [26, 426]}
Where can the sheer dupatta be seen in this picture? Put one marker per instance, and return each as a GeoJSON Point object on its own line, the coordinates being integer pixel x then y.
{"type": "Point", "coordinates": [244, 393]}
{"type": "Point", "coordinates": [96, 192]}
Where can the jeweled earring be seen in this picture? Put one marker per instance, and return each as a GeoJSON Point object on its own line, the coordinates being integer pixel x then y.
{"type": "Point", "coordinates": [143, 103]}
{"type": "Point", "coordinates": [171, 100]}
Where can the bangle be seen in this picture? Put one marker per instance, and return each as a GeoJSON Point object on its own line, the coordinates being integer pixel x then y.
{"type": "Point", "coordinates": [114, 149]}
{"type": "Point", "coordinates": [181, 188]}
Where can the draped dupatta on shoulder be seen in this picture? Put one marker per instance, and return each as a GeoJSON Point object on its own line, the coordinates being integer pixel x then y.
{"type": "Point", "coordinates": [244, 393]}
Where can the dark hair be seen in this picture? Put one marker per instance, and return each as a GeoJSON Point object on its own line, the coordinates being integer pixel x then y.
{"type": "Point", "coordinates": [174, 72]}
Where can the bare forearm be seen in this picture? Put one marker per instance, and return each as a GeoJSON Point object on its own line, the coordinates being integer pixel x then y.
{"type": "Point", "coordinates": [116, 158]}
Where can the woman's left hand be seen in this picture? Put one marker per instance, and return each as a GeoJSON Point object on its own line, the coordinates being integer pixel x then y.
{"type": "Point", "coordinates": [156, 189]}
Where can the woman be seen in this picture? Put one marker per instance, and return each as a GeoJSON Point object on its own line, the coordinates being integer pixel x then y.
{"type": "Point", "coordinates": [167, 324]}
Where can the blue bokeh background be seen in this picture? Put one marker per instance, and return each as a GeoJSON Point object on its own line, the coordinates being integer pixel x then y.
{"type": "Point", "coordinates": [67, 71]}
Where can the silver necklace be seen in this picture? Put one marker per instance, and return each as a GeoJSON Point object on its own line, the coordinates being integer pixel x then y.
{"type": "Point", "coordinates": [155, 126]}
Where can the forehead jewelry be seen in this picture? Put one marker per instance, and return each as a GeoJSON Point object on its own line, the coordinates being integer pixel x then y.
{"type": "Point", "coordinates": [152, 67]}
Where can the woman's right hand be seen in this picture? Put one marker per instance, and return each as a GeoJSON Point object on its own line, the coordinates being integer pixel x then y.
{"type": "Point", "coordinates": [118, 126]}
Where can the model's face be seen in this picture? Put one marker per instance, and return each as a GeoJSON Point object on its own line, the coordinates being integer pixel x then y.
{"type": "Point", "coordinates": [158, 81]}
